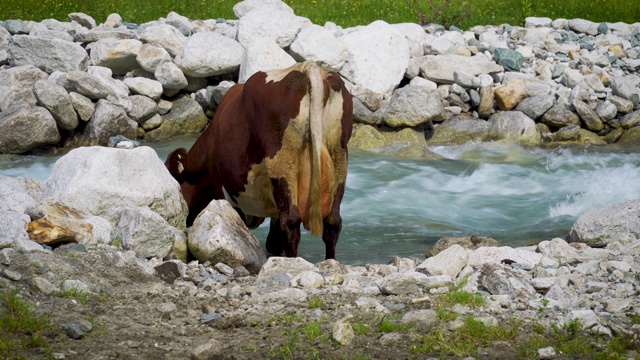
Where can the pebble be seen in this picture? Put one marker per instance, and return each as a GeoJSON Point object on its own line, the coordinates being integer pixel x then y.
{"type": "Point", "coordinates": [73, 331]}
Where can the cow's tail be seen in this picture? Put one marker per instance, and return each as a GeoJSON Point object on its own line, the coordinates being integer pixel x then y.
{"type": "Point", "coordinates": [316, 104]}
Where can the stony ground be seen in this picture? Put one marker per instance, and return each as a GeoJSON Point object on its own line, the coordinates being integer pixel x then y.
{"type": "Point", "coordinates": [194, 311]}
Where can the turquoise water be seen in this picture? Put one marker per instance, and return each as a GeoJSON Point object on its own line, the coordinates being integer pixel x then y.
{"type": "Point", "coordinates": [400, 207]}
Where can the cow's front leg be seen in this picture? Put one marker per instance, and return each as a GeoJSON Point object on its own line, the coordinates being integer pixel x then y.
{"type": "Point", "coordinates": [285, 231]}
{"type": "Point", "coordinates": [275, 240]}
{"type": "Point", "coordinates": [332, 225]}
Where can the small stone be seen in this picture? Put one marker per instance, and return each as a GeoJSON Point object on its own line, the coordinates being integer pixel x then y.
{"type": "Point", "coordinates": [510, 60]}
{"type": "Point", "coordinates": [224, 269]}
{"type": "Point", "coordinates": [43, 285]}
{"type": "Point", "coordinates": [210, 318]}
{"type": "Point", "coordinates": [546, 353]}
{"type": "Point", "coordinates": [343, 332]}
{"type": "Point", "coordinates": [241, 271]}
{"type": "Point", "coordinates": [7, 255]}
{"type": "Point", "coordinates": [73, 331]}
{"type": "Point", "coordinates": [11, 275]}
{"type": "Point", "coordinates": [85, 325]}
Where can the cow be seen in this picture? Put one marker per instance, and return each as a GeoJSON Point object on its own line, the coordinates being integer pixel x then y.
{"type": "Point", "coordinates": [276, 147]}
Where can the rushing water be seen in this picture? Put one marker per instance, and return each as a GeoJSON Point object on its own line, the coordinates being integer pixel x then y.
{"type": "Point", "coordinates": [396, 206]}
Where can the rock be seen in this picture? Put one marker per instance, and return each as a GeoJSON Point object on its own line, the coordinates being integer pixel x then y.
{"type": "Point", "coordinates": [268, 22]}
{"type": "Point", "coordinates": [170, 76]}
{"type": "Point", "coordinates": [19, 193]}
{"type": "Point", "coordinates": [263, 55]}
{"type": "Point", "coordinates": [210, 348]}
{"type": "Point", "coordinates": [142, 108]}
{"type": "Point", "coordinates": [218, 234]}
{"type": "Point", "coordinates": [165, 36]}
{"type": "Point", "coordinates": [466, 80]}
{"type": "Point", "coordinates": [557, 249]}
{"type": "Point", "coordinates": [208, 54]}
{"type": "Point", "coordinates": [558, 117]}
{"type": "Point", "coordinates": [546, 353]}
{"type": "Point", "coordinates": [536, 106]}
{"type": "Point", "coordinates": [607, 224]}
{"type": "Point", "coordinates": [16, 85]}
{"type": "Point", "coordinates": [399, 284]}
{"type": "Point", "coordinates": [626, 87]}
{"type": "Point", "coordinates": [15, 27]}
{"type": "Point", "coordinates": [100, 33]}
{"type": "Point", "coordinates": [117, 55]}
{"type": "Point", "coordinates": [43, 285]}
{"type": "Point", "coordinates": [412, 106]}
{"type": "Point", "coordinates": [109, 120]}
{"type": "Point", "coordinates": [83, 106]}
{"type": "Point", "coordinates": [537, 22]}
{"type": "Point", "coordinates": [24, 127]}
{"type": "Point", "coordinates": [586, 318]}
{"type": "Point", "coordinates": [622, 105]}
{"type": "Point", "coordinates": [422, 319]}
{"type": "Point", "coordinates": [495, 255]}
{"type": "Point", "coordinates": [13, 233]}
{"type": "Point", "coordinates": [145, 232]}
{"type": "Point", "coordinates": [606, 111]}
{"type": "Point", "coordinates": [73, 331]}
{"type": "Point", "coordinates": [631, 136]}
{"type": "Point", "coordinates": [410, 142]}
{"type": "Point", "coordinates": [243, 7]}
{"type": "Point", "coordinates": [571, 78]}
{"type": "Point", "coordinates": [276, 265]}
{"type": "Point", "coordinates": [113, 21]}
{"type": "Point", "coordinates": [630, 120]}
{"type": "Point", "coordinates": [56, 223]}
{"type": "Point", "coordinates": [86, 84]}
{"type": "Point", "coordinates": [510, 60]}
{"type": "Point", "coordinates": [448, 262]}
{"type": "Point", "coordinates": [498, 279]}
{"type": "Point", "coordinates": [485, 108]}
{"type": "Point", "coordinates": [317, 44]}
{"type": "Point", "coordinates": [378, 57]}
{"type": "Point", "coordinates": [342, 332]}
{"type": "Point", "coordinates": [590, 118]}
{"type": "Point", "coordinates": [151, 56]}
{"type": "Point", "coordinates": [513, 126]}
{"type": "Point", "coordinates": [86, 180]}
{"type": "Point", "coordinates": [48, 54]}
{"type": "Point", "coordinates": [459, 130]}
{"type": "Point", "coordinates": [467, 242]}
{"type": "Point", "coordinates": [186, 117]}
{"type": "Point", "coordinates": [308, 280]}
{"type": "Point", "coordinates": [54, 98]}
{"type": "Point", "coordinates": [583, 26]}
{"type": "Point", "coordinates": [415, 36]}
{"type": "Point", "coordinates": [83, 19]}
{"type": "Point", "coordinates": [510, 94]}
{"type": "Point", "coordinates": [146, 87]}
{"type": "Point", "coordinates": [441, 68]}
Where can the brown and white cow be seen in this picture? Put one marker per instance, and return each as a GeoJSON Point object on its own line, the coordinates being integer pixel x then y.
{"type": "Point", "coordinates": [276, 147]}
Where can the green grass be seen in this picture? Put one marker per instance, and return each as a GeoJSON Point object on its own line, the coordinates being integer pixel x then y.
{"type": "Point", "coordinates": [75, 293]}
{"type": "Point", "coordinates": [316, 303]}
{"type": "Point", "coordinates": [393, 324]}
{"type": "Point", "coordinates": [20, 329]}
{"type": "Point", "coordinates": [345, 13]}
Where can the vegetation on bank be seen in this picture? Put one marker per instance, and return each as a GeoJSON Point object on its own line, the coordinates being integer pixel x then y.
{"type": "Point", "coordinates": [346, 13]}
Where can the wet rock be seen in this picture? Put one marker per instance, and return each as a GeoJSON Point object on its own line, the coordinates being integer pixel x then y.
{"type": "Point", "coordinates": [513, 126]}
{"type": "Point", "coordinates": [604, 225]}
{"type": "Point", "coordinates": [559, 117]}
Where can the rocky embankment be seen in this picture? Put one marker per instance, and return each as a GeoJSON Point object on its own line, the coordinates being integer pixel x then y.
{"type": "Point", "coordinates": [66, 84]}
{"type": "Point", "coordinates": [101, 247]}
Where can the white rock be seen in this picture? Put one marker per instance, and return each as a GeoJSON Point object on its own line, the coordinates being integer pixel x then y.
{"type": "Point", "coordinates": [117, 55]}
{"type": "Point", "coordinates": [48, 54]}
{"type": "Point", "coordinates": [315, 43]}
{"type": "Point", "coordinates": [546, 353]}
{"type": "Point", "coordinates": [208, 53]}
{"type": "Point", "coordinates": [441, 68]}
{"type": "Point", "coordinates": [243, 7]}
{"type": "Point", "coordinates": [308, 280]}
{"type": "Point", "coordinates": [143, 86]}
{"type": "Point", "coordinates": [415, 36]}
{"type": "Point", "coordinates": [145, 232]}
{"type": "Point", "coordinates": [170, 76]}
{"type": "Point", "coordinates": [537, 21]}
{"type": "Point", "coordinates": [488, 255]}
{"type": "Point", "coordinates": [263, 55]}
{"type": "Point", "coordinates": [448, 262]}
{"type": "Point", "coordinates": [587, 318]}
{"type": "Point", "coordinates": [342, 332]}
{"type": "Point", "coordinates": [151, 56]}
{"type": "Point", "coordinates": [378, 57]}
{"type": "Point", "coordinates": [276, 264]}
{"type": "Point", "coordinates": [165, 36]}
{"type": "Point", "coordinates": [268, 22]}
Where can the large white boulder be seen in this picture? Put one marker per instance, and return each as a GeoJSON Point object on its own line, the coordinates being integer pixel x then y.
{"type": "Point", "coordinates": [608, 224]}
{"type": "Point", "coordinates": [208, 53]}
{"type": "Point", "coordinates": [243, 7]}
{"type": "Point", "coordinates": [263, 55]}
{"type": "Point", "coordinates": [268, 22]}
{"type": "Point", "coordinates": [104, 181]}
{"type": "Point", "coordinates": [117, 55]}
{"type": "Point", "coordinates": [315, 43]}
{"type": "Point", "coordinates": [378, 57]}
{"type": "Point", "coordinates": [493, 255]}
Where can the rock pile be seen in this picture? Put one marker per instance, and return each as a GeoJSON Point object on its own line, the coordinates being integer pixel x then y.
{"type": "Point", "coordinates": [78, 83]}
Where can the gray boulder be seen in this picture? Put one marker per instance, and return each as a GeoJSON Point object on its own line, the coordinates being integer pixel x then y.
{"type": "Point", "coordinates": [144, 231]}
{"type": "Point", "coordinates": [54, 98]}
{"type": "Point", "coordinates": [186, 117]}
{"type": "Point", "coordinates": [83, 106]}
{"type": "Point", "coordinates": [146, 87]}
{"type": "Point", "coordinates": [83, 19]}
{"type": "Point", "coordinates": [48, 54]}
{"type": "Point", "coordinates": [165, 36]}
{"type": "Point", "coordinates": [627, 88]}
{"type": "Point", "coordinates": [15, 27]}
{"type": "Point", "coordinates": [86, 84]}
{"type": "Point", "coordinates": [441, 68]}
{"type": "Point", "coordinates": [170, 76]}
{"type": "Point", "coordinates": [275, 265]}
{"type": "Point", "coordinates": [219, 235]}
{"type": "Point", "coordinates": [243, 7]}
{"type": "Point", "coordinates": [117, 55]}
{"type": "Point", "coordinates": [16, 85]}
{"type": "Point", "coordinates": [150, 56]}
{"type": "Point", "coordinates": [142, 108]}
{"type": "Point", "coordinates": [558, 117]}
{"type": "Point", "coordinates": [459, 130]}
{"type": "Point", "coordinates": [109, 120]}
{"type": "Point", "coordinates": [498, 279]}
{"type": "Point", "coordinates": [536, 106]}
{"type": "Point", "coordinates": [447, 262]}
{"type": "Point", "coordinates": [208, 54]}
{"type": "Point", "coordinates": [583, 26]}
{"type": "Point", "coordinates": [24, 127]}
{"type": "Point", "coordinates": [513, 126]}
{"type": "Point", "coordinates": [412, 106]}
{"type": "Point", "coordinates": [510, 60]}
{"type": "Point", "coordinates": [19, 193]}
{"type": "Point", "coordinates": [104, 181]}
{"type": "Point", "coordinates": [588, 116]}
{"type": "Point", "coordinates": [100, 33]}
{"type": "Point", "coordinates": [630, 120]}
{"type": "Point", "coordinates": [608, 224]}
{"type": "Point", "coordinates": [13, 233]}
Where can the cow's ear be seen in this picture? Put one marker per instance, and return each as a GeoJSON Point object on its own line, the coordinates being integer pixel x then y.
{"type": "Point", "coordinates": [175, 162]}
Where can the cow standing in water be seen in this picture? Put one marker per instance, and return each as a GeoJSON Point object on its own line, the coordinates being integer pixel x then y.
{"type": "Point", "coordinates": [276, 147]}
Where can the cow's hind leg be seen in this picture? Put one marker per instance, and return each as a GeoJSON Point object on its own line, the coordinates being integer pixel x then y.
{"type": "Point", "coordinates": [285, 231]}
{"type": "Point", "coordinates": [333, 225]}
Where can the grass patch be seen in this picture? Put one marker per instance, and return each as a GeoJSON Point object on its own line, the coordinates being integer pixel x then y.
{"type": "Point", "coordinates": [21, 329]}
{"type": "Point", "coordinates": [312, 331]}
{"type": "Point", "coordinates": [361, 328]}
{"type": "Point", "coordinates": [445, 315]}
{"type": "Point", "coordinates": [342, 12]}
{"type": "Point", "coordinates": [316, 303]}
{"type": "Point", "coordinates": [76, 294]}
{"type": "Point", "coordinates": [392, 325]}
{"type": "Point", "coordinates": [466, 340]}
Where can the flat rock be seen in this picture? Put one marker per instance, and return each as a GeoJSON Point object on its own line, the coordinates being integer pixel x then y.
{"type": "Point", "coordinates": [441, 68]}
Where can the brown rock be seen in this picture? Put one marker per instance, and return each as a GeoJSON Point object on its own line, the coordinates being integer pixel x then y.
{"type": "Point", "coordinates": [485, 109]}
{"type": "Point", "coordinates": [59, 224]}
{"type": "Point", "coordinates": [510, 94]}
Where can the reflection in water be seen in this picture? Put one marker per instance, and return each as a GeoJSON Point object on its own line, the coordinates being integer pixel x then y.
{"type": "Point", "coordinates": [394, 206]}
